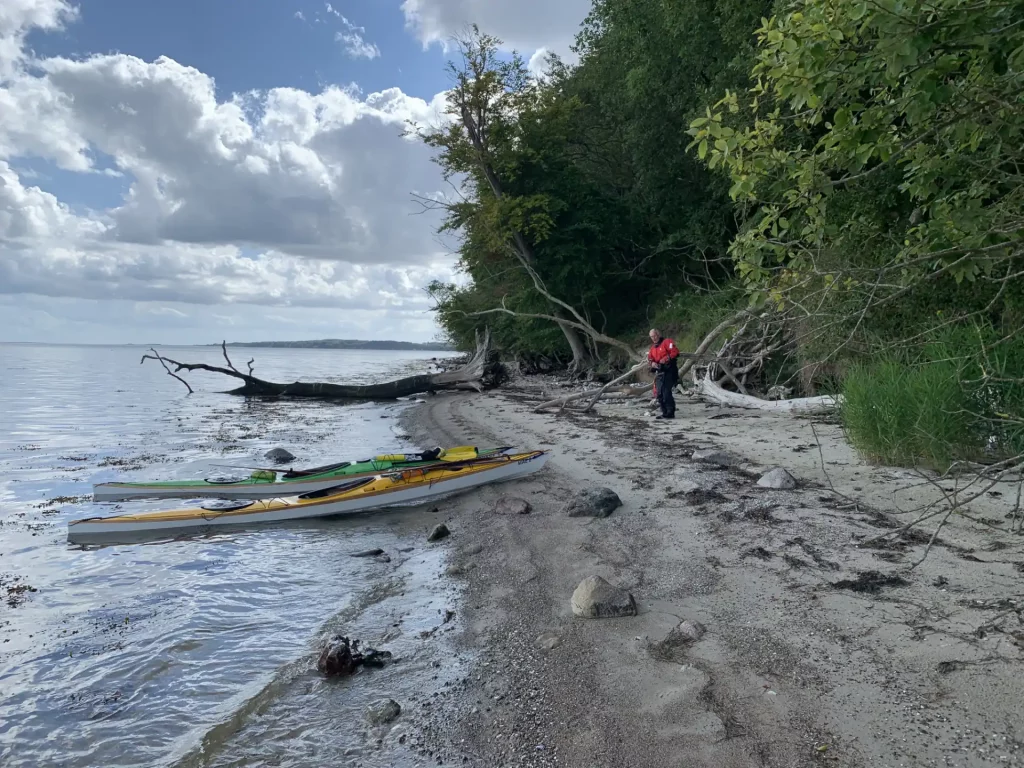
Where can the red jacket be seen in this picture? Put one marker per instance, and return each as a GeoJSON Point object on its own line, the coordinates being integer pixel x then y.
{"type": "Point", "coordinates": [663, 351]}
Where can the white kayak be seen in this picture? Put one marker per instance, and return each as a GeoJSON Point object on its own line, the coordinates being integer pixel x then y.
{"type": "Point", "coordinates": [400, 488]}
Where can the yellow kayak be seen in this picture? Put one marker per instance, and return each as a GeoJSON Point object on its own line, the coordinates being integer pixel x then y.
{"type": "Point", "coordinates": [407, 486]}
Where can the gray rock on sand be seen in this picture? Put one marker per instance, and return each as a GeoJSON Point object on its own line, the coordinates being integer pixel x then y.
{"type": "Point", "coordinates": [512, 505]}
{"type": "Point", "coordinates": [440, 531]}
{"type": "Point", "coordinates": [778, 479]}
{"type": "Point", "coordinates": [592, 502]}
{"type": "Point", "coordinates": [718, 458]}
{"type": "Point", "coordinates": [383, 711]}
{"type": "Point", "coordinates": [595, 598]}
{"type": "Point", "coordinates": [279, 455]}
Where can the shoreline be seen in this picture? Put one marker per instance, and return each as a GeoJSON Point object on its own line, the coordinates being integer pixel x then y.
{"type": "Point", "coordinates": [818, 648]}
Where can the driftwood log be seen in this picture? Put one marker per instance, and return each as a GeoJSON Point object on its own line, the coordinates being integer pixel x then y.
{"type": "Point", "coordinates": [711, 390]}
{"type": "Point", "coordinates": [480, 372]}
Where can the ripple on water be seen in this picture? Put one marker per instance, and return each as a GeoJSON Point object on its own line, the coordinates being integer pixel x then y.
{"type": "Point", "coordinates": [197, 651]}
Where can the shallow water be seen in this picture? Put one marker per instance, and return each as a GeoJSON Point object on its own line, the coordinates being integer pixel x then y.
{"type": "Point", "coordinates": [201, 650]}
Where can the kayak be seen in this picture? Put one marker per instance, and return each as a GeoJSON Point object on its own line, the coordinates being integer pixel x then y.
{"type": "Point", "coordinates": [271, 483]}
{"type": "Point", "coordinates": [406, 486]}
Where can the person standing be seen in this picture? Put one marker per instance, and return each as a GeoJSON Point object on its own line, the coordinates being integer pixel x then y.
{"type": "Point", "coordinates": [663, 356]}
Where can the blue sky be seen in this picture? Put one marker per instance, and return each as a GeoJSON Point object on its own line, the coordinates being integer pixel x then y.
{"type": "Point", "coordinates": [178, 172]}
{"type": "Point", "coordinates": [256, 44]}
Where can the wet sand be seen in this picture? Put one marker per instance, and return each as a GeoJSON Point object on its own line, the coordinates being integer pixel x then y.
{"type": "Point", "coordinates": [822, 647]}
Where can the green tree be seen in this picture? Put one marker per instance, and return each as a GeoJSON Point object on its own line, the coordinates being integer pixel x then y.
{"type": "Point", "coordinates": [877, 161]}
{"type": "Point", "coordinates": [482, 145]}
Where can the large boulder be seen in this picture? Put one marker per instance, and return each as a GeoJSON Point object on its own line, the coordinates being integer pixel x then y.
{"type": "Point", "coordinates": [778, 479]}
{"type": "Point", "coordinates": [279, 456]}
{"type": "Point", "coordinates": [593, 502]}
{"type": "Point", "coordinates": [595, 598]}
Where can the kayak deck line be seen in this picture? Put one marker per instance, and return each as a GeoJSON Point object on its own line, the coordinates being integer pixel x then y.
{"type": "Point", "coordinates": [356, 495]}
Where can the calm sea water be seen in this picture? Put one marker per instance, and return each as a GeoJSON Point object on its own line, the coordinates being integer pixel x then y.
{"type": "Point", "coordinates": [199, 651]}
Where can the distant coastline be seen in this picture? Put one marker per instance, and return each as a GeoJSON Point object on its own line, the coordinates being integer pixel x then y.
{"type": "Point", "coordinates": [429, 346]}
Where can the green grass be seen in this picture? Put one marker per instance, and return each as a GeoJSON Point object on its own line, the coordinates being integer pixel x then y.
{"type": "Point", "coordinates": [941, 401]}
{"type": "Point", "coordinates": [908, 415]}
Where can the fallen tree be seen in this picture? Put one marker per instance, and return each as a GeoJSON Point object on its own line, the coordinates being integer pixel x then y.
{"type": "Point", "coordinates": [480, 372]}
{"type": "Point", "coordinates": [617, 386]}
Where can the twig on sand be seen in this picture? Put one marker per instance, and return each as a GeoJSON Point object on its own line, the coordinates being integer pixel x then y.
{"type": "Point", "coordinates": [828, 478]}
{"type": "Point", "coordinates": [935, 535]}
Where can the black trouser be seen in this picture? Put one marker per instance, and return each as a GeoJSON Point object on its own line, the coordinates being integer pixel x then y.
{"type": "Point", "coordinates": [665, 381]}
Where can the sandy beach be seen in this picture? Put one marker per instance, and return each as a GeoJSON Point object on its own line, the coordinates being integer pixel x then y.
{"type": "Point", "coordinates": [822, 645]}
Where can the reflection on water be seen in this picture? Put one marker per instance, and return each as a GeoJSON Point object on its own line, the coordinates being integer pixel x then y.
{"type": "Point", "coordinates": [198, 650]}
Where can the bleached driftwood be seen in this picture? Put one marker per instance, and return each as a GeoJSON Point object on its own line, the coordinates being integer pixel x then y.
{"type": "Point", "coordinates": [708, 389]}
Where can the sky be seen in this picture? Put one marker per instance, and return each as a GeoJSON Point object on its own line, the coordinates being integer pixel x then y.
{"type": "Point", "coordinates": [183, 171]}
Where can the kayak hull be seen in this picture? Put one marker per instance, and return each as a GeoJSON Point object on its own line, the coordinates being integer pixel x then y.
{"type": "Point", "coordinates": [383, 491]}
{"type": "Point", "coordinates": [254, 489]}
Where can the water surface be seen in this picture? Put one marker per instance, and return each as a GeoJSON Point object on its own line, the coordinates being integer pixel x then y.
{"type": "Point", "coordinates": [197, 651]}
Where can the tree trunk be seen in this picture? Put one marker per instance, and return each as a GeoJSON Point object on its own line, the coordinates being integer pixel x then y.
{"type": "Point", "coordinates": [582, 360]}
{"type": "Point", "coordinates": [477, 374]}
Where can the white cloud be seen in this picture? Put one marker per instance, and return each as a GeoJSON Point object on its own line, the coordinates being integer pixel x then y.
{"type": "Point", "coordinates": [525, 25]}
{"type": "Point", "coordinates": [351, 36]}
{"type": "Point", "coordinates": [356, 46]}
{"type": "Point", "coordinates": [19, 16]}
{"type": "Point", "coordinates": [28, 214]}
{"type": "Point", "coordinates": [314, 174]}
{"type": "Point", "coordinates": [279, 198]}
{"type": "Point", "coordinates": [538, 62]}
{"type": "Point", "coordinates": [214, 276]}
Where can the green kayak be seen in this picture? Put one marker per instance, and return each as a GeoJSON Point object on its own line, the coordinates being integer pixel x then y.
{"type": "Point", "coordinates": [271, 483]}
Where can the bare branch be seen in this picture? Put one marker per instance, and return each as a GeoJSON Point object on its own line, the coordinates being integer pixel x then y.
{"type": "Point", "coordinates": [224, 349]}
{"type": "Point", "coordinates": [156, 356]}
